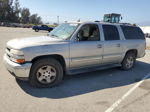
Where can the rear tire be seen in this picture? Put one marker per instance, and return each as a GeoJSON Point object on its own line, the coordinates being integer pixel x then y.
{"type": "Point", "coordinates": [129, 61]}
{"type": "Point", "coordinates": [46, 72]}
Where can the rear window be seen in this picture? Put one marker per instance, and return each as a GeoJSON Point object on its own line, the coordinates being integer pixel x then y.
{"type": "Point", "coordinates": [131, 32]}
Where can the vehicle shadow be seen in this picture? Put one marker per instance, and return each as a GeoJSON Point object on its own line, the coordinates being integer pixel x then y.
{"type": "Point", "coordinates": [89, 82]}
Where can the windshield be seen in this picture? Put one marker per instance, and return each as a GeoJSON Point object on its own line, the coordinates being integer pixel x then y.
{"type": "Point", "coordinates": [106, 18]}
{"type": "Point", "coordinates": [64, 31]}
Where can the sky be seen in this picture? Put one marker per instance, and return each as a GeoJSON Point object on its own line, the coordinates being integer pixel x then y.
{"type": "Point", "coordinates": [133, 11]}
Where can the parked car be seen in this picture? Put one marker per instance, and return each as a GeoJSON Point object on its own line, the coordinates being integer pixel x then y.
{"type": "Point", "coordinates": [73, 48]}
{"type": "Point", "coordinates": [27, 26]}
{"type": "Point", "coordinates": [42, 27]}
{"type": "Point", "coordinates": [1, 23]}
{"type": "Point", "coordinates": [6, 24]}
{"type": "Point", "coordinates": [16, 25]}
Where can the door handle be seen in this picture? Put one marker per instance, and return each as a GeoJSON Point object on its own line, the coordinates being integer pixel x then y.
{"type": "Point", "coordinates": [99, 46]}
{"type": "Point", "coordinates": [118, 45]}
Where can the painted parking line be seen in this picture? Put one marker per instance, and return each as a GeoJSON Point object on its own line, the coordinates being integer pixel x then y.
{"type": "Point", "coordinates": [116, 104]}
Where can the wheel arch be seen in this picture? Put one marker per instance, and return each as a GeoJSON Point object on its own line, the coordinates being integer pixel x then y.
{"type": "Point", "coordinates": [58, 57]}
{"type": "Point", "coordinates": [133, 51]}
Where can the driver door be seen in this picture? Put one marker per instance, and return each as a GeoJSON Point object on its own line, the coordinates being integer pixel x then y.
{"type": "Point", "coordinates": [87, 49]}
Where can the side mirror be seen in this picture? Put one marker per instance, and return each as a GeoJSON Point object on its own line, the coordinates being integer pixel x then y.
{"type": "Point", "coordinates": [77, 39]}
{"type": "Point", "coordinates": [79, 36]}
{"type": "Point", "coordinates": [121, 17]}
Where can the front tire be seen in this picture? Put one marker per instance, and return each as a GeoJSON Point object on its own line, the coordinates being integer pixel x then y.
{"type": "Point", "coordinates": [46, 72]}
{"type": "Point", "coordinates": [129, 61]}
{"type": "Point", "coordinates": [36, 30]}
{"type": "Point", "coordinates": [49, 30]}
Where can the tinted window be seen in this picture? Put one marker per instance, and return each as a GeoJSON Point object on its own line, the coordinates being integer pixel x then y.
{"type": "Point", "coordinates": [131, 32]}
{"type": "Point", "coordinates": [111, 32]}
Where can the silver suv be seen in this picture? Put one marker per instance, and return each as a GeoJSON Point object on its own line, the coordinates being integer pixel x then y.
{"type": "Point", "coordinates": [73, 48]}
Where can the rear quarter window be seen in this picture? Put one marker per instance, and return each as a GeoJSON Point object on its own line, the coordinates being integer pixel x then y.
{"type": "Point", "coordinates": [131, 32]}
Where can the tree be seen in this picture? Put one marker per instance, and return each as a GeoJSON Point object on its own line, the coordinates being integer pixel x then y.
{"type": "Point", "coordinates": [35, 19]}
{"type": "Point", "coordinates": [25, 15]}
{"type": "Point", "coordinates": [6, 10]}
{"type": "Point", "coordinates": [16, 11]}
{"type": "Point", "coordinates": [10, 11]}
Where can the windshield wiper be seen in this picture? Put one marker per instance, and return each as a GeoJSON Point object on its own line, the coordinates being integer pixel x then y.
{"type": "Point", "coordinates": [54, 35]}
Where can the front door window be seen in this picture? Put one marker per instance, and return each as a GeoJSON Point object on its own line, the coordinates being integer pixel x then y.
{"type": "Point", "coordinates": [88, 32]}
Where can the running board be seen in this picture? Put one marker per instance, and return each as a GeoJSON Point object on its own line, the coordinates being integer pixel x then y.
{"type": "Point", "coordinates": [90, 69]}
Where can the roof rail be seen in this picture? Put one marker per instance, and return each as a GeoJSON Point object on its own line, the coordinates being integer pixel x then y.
{"type": "Point", "coordinates": [128, 24]}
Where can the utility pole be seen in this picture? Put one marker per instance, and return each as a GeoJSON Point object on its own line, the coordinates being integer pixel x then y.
{"type": "Point", "coordinates": [58, 20]}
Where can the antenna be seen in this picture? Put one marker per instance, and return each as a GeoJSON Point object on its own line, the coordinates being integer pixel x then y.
{"type": "Point", "coordinates": [58, 20]}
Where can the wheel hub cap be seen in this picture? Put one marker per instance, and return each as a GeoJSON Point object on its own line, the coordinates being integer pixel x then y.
{"type": "Point", "coordinates": [46, 74]}
{"type": "Point", "coordinates": [130, 62]}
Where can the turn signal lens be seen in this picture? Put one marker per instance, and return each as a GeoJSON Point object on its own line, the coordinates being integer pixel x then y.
{"type": "Point", "coordinates": [20, 60]}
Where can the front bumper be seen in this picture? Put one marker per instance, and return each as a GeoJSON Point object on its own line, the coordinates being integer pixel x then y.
{"type": "Point", "coordinates": [20, 71]}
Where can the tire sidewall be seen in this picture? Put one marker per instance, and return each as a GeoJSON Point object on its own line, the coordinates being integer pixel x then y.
{"type": "Point", "coordinates": [124, 67]}
{"type": "Point", "coordinates": [36, 30]}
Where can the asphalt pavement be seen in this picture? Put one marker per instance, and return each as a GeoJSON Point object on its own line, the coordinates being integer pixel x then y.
{"type": "Point", "coordinates": [111, 90]}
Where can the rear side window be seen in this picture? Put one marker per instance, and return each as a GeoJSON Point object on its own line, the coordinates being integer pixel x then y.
{"type": "Point", "coordinates": [131, 32]}
{"type": "Point", "coordinates": [111, 32]}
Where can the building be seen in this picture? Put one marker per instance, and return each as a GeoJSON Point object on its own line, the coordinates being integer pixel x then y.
{"type": "Point", "coordinates": [146, 29]}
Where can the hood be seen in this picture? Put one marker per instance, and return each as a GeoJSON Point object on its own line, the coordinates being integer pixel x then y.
{"type": "Point", "coordinates": [19, 43]}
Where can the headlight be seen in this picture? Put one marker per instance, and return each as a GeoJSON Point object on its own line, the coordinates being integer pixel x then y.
{"type": "Point", "coordinates": [16, 52]}
{"type": "Point", "coordinates": [17, 56]}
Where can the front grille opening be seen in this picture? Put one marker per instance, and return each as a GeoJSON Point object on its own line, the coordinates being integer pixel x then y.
{"type": "Point", "coordinates": [8, 52]}
{"type": "Point", "coordinates": [8, 55]}
{"type": "Point", "coordinates": [8, 49]}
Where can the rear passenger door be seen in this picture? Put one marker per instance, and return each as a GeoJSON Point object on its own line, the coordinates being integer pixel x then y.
{"type": "Point", "coordinates": [113, 49]}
